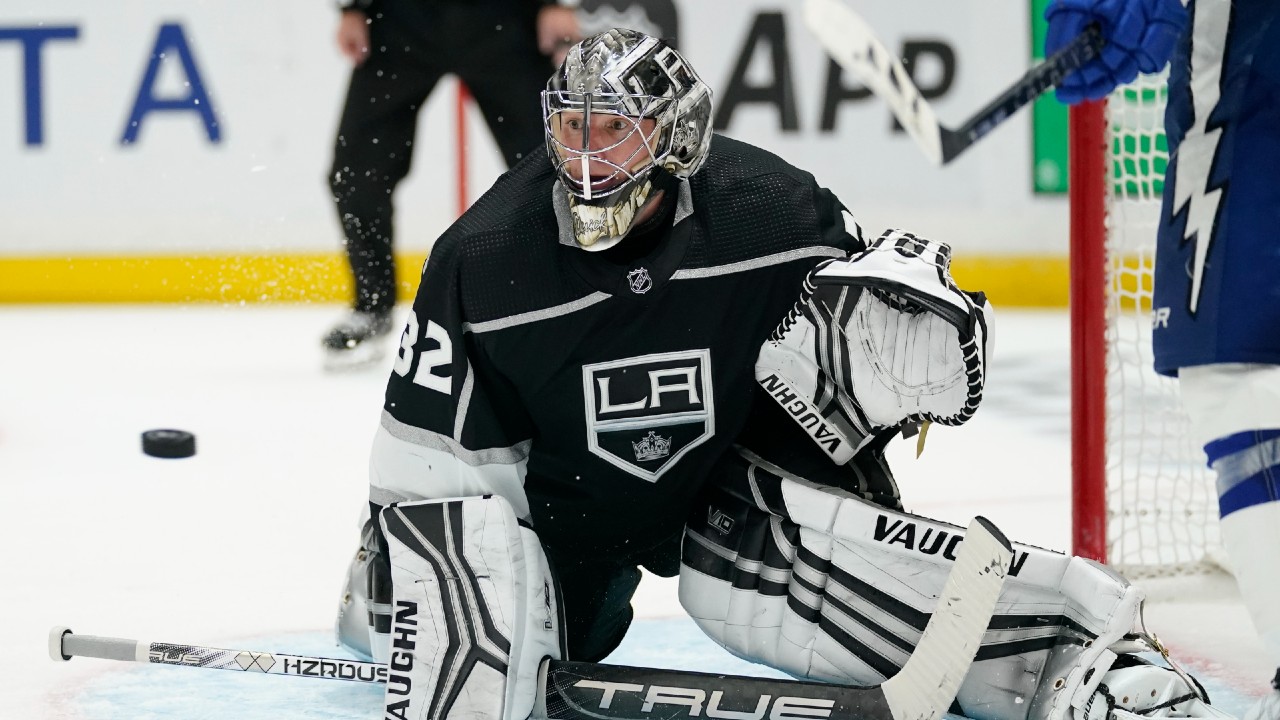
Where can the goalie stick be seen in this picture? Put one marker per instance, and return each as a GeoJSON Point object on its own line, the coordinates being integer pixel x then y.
{"type": "Point", "coordinates": [850, 41]}
{"type": "Point", "coordinates": [923, 690]}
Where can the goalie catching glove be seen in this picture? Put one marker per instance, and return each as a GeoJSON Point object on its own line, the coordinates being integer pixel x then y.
{"type": "Point", "coordinates": [879, 340]}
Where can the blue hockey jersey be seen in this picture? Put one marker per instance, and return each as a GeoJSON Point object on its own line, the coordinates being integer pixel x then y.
{"type": "Point", "coordinates": [1217, 276]}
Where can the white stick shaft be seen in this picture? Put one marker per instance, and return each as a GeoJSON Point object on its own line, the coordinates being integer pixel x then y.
{"type": "Point", "coordinates": [107, 648]}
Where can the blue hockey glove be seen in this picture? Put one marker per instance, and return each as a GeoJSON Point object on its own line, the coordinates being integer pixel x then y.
{"type": "Point", "coordinates": [1140, 36]}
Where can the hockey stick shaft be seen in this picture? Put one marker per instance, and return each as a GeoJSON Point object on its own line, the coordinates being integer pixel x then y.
{"type": "Point", "coordinates": [922, 690]}
{"type": "Point", "coordinates": [851, 42]}
{"type": "Point", "coordinates": [568, 690]}
{"type": "Point", "coordinates": [1085, 47]}
{"type": "Point", "coordinates": [64, 645]}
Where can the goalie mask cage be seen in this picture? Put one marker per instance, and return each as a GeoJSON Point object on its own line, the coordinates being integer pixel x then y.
{"type": "Point", "coordinates": [1143, 500]}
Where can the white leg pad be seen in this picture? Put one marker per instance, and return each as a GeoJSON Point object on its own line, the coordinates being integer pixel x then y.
{"type": "Point", "coordinates": [823, 585]}
{"type": "Point", "coordinates": [473, 611]}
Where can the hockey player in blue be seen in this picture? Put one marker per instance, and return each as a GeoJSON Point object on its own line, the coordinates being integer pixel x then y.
{"type": "Point", "coordinates": [1217, 278]}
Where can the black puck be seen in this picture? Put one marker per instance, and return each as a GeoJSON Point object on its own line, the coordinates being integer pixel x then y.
{"type": "Point", "coordinates": [168, 443]}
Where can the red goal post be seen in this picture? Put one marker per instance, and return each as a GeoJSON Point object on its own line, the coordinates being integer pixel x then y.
{"type": "Point", "coordinates": [1087, 162]}
{"type": "Point", "coordinates": [1143, 500]}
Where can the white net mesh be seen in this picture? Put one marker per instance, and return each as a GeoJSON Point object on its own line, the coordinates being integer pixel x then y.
{"type": "Point", "coordinates": [1161, 503]}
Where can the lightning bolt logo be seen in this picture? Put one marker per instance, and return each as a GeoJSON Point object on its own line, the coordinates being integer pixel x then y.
{"type": "Point", "coordinates": [1191, 192]}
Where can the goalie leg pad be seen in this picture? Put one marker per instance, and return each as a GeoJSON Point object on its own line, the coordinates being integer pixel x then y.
{"type": "Point", "coordinates": [473, 612]}
{"type": "Point", "coordinates": [823, 585]}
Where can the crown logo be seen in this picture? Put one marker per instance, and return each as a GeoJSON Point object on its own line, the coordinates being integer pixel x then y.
{"type": "Point", "coordinates": [652, 447]}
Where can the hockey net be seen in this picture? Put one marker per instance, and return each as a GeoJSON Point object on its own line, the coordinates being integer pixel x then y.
{"type": "Point", "coordinates": [1144, 500]}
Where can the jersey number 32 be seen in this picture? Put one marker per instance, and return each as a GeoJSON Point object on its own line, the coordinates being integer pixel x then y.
{"type": "Point", "coordinates": [429, 359]}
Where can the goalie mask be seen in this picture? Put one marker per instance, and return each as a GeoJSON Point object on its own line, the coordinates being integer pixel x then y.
{"type": "Point", "coordinates": [624, 116]}
{"type": "Point", "coordinates": [881, 340]}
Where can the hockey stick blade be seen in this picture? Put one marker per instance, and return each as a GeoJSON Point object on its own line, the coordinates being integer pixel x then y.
{"type": "Point", "coordinates": [851, 42]}
{"type": "Point", "coordinates": [574, 691]}
{"type": "Point", "coordinates": [922, 690]}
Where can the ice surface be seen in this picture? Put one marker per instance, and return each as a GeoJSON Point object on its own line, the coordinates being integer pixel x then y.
{"type": "Point", "coordinates": [245, 544]}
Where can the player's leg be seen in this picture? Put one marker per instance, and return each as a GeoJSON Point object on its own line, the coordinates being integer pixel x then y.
{"type": "Point", "coordinates": [813, 580]}
{"type": "Point", "coordinates": [371, 155]}
{"type": "Point", "coordinates": [506, 74]}
{"type": "Point", "coordinates": [596, 599]}
{"type": "Point", "coordinates": [1216, 273]}
{"type": "Point", "coordinates": [596, 593]}
{"type": "Point", "coordinates": [364, 612]}
{"type": "Point", "coordinates": [473, 611]}
{"type": "Point", "coordinates": [1235, 416]}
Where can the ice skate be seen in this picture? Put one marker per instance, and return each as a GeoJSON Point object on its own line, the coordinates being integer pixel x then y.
{"type": "Point", "coordinates": [355, 341]}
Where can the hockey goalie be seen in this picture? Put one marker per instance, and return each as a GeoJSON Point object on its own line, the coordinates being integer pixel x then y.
{"type": "Point", "coordinates": [818, 573]}
{"type": "Point", "coordinates": [574, 400]}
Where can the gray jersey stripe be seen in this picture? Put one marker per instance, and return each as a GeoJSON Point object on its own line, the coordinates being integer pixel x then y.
{"type": "Point", "coordinates": [464, 401]}
{"type": "Point", "coordinates": [691, 274]}
{"type": "Point", "coordinates": [384, 497]}
{"type": "Point", "coordinates": [536, 315]}
{"type": "Point", "coordinates": [766, 261]}
{"type": "Point", "coordinates": [475, 458]}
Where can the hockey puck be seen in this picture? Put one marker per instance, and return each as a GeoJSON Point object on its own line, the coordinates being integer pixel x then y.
{"type": "Point", "coordinates": [168, 443]}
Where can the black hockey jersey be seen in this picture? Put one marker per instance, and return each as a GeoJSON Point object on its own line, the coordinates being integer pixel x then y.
{"type": "Point", "coordinates": [612, 388]}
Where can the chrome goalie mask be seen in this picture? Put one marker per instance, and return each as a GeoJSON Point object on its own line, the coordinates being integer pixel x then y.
{"type": "Point", "coordinates": [623, 115]}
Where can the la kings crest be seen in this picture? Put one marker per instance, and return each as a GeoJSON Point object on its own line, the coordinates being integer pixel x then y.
{"type": "Point", "coordinates": [644, 413]}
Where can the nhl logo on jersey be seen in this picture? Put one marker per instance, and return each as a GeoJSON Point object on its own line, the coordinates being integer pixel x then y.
{"type": "Point", "coordinates": [640, 281]}
{"type": "Point", "coordinates": [645, 413]}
